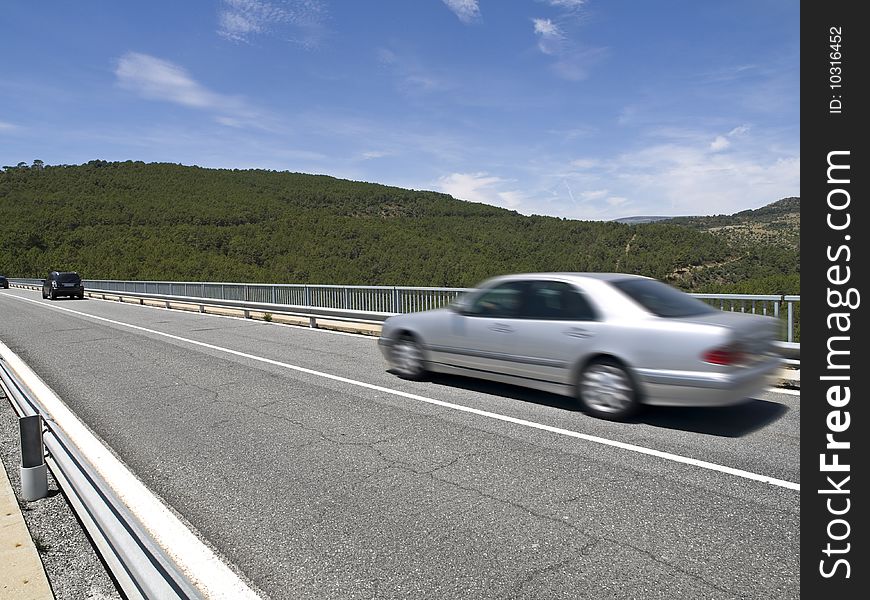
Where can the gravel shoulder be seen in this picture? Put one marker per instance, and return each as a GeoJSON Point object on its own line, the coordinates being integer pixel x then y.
{"type": "Point", "coordinates": [71, 563]}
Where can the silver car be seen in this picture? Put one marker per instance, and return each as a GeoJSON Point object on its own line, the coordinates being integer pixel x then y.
{"type": "Point", "coordinates": [613, 341]}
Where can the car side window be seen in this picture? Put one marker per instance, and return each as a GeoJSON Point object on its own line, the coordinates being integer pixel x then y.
{"type": "Point", "coordinates": [501, 301]}
{"type": "Point", "coordinates": [558, 301]}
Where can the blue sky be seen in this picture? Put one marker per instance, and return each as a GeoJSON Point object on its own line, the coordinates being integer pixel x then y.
{"type": "Point", "coordinates": [588, 109]}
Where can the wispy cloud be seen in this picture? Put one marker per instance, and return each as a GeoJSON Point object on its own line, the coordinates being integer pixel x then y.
{"type": "Point", "coordinates": [413, 77]}
{"type": "Point", "coordinates": [685, 176]}
{"type": "Point", "coordinates": [373, 154]}
{"type": "Point", "coordinates": [468, 11]}
{"type": "Point", "coordinates": [722, 142]}
{"type": "Point", "coordinates": [4, 126]}
{"type": "Point", "coordinates": [571, 60]}
{"type": "Point", "coordinates": [242, 20]}
{"type": "Point", "coordinates": [550, 37]}
{"type": "Point", "coordinates": [567, 4]}
{"type": "Point", "coordinates": [157, 79]}
{"type": "Point", "coordinates": [482, 187]}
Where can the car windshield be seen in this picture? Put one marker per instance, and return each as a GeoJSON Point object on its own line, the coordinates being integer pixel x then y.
{"type": "Point", "coordinates": [661, 299]}
{"type": "Point", "coordinates": [68, 277]}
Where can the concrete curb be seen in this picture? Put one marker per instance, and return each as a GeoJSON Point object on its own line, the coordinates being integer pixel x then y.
{"type": "Point", "coordinates": [23, 575]}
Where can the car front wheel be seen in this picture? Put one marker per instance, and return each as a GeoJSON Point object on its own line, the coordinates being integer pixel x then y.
{"type": "Point", "coordinates": [607, 391]}
{"type": "Point", "coordinates": [407, 355]}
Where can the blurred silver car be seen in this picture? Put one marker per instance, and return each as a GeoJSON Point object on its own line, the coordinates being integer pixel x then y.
{"type": "Point", "coordinates": [613, 341]}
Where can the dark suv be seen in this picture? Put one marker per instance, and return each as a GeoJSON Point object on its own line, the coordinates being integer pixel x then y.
{"type": "Point", "coordinates": [4, 283]}
{"type": "Point", "coordinates": [59, 283]}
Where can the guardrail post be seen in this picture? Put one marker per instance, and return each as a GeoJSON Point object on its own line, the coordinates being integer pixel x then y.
{"type": "Point", "coordinates": [790, 321]}
{"type": "Point", "coordinates": [312, 322]}
{"type": "Point", "coordinates": [34, 476]}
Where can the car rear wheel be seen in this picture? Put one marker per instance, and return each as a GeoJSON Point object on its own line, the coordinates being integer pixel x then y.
{"type": "Point", "coordinates": [607, 391]}
{"type": "Point", "coordinates": [407, 355]}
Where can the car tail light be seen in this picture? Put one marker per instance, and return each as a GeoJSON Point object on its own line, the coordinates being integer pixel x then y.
{"type": "Point", "coordinates": [723, 355]}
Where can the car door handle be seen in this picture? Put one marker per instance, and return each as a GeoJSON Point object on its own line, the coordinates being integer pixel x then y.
{"type": "Point", "coordinates": [501, 328]}
{"type": "Point", "coordinates": [578, 332]}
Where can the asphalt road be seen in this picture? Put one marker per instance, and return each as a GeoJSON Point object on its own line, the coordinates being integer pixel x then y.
{"type": "Point", "coordinates": [319, 487]}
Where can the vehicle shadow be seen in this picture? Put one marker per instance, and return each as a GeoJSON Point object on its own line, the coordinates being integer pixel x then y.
{"type": "Point", "coordinates": [725, 421]}
{"type": "Point", "coordinates": [505, 389]}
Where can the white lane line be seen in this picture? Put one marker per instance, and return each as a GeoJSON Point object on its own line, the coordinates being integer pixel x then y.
{"type": "Point", "coordinates": [784, 391]}
{"type": "Point", "coordinates": [483, 413]}
{"type": "Point", "coordinates": [208, 573]}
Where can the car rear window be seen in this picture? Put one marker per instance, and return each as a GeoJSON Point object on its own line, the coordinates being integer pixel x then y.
{"type": "Point", "coordinates": [68, 277]}
{"type": "Point", "coordinates": [661, 299]}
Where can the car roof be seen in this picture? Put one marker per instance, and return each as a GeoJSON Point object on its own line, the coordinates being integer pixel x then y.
{"type": "Point", "coordinates": [574, 276]}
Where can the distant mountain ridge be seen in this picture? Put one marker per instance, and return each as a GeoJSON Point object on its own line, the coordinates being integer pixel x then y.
{"type": "Point", "coordinates": [640, 220]}
{"type": "Point", "coordinates": [776, 224]}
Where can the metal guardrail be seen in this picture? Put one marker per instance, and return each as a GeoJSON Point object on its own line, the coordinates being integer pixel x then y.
{"type": "Point", "coordinates": [312, 313]}
{"type": "Point", "coordinates": [382, 299]}
{"type": "Point", "coordinates": [141, 568]}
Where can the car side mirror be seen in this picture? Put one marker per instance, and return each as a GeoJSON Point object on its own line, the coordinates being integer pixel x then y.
{"type": "Point", "coordinates": [459, 306]}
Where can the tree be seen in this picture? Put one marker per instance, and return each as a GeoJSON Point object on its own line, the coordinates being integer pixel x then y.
{"type": "Point", "coordinates": [38, 165]}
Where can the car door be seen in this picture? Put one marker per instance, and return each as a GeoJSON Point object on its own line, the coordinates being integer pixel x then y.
{"type": "Point", "coordinates": [482, 335]}
{"type": "Point", "coordinates": [558, 326]}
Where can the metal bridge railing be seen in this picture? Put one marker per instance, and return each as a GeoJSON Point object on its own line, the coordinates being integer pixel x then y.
{"type": "Point", "coordinates": [396, 299]}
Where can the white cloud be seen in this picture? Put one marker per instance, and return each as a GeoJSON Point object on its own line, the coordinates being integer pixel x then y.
{"type": "Point", "coordinates": [238, 19]}
{"type": "Point", "coordinates": [482, 187]}
{"type": "Point", "coordinates": [690, 180]}
{"type": "Point", "coordinates": [723, 142]}
{"type": "Point", "coordinates": [4, 126]}
{"type": "Point", "coordinates": [413, 77]}
{"type": "Point", "coordinates": [372, 154]}
{"type": "Point", "coordinates": [575, 65]}
{"type": "Point", "coordinates": [720, 143]}
{"type": "Point", "coordinates": [568, 4]}
{"type": "Point", "coordinates": [550, 36]}
{"type": "Point", "coordinates": [157, 79]}
{"type": "Point", "coordinates": [468, 11]}
{"type": "Point", "coordinates": [546, 28]}
{"type": "Point", "coordinates": [594, 194]}
{"type": "Point", "coordinates": [586, 163]}
{"type": "Point", "coordinates": [571, 60]}
{"type": "Point", "coordinates": [241, 20]}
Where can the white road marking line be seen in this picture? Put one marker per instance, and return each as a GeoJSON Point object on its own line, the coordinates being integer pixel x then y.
{"type": "Point", "coordinates": [785, 391]}
{"type": "Point", "coordinates": [483, 413]}
{"type": "Point", "coordinates": [208, 573]}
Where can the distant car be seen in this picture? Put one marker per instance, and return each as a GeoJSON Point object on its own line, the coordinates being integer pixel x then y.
{"type": "Point", "coordinates": [613, 341]}
{"type": "Point", "coordinates": [60, 283]}
{"type": "Point", "coordinates": [4, 283]}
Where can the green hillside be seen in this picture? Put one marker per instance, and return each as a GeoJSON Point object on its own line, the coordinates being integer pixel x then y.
{"type": "Point", "coordinates": [163, 221]}
{"type": "Point", "coordinates": [770, 234]}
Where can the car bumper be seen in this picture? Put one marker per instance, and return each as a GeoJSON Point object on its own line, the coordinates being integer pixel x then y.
{"type": "Point", "coordinates": [692, 388]}
{"type": "Point", "coordinates": [76, 291]}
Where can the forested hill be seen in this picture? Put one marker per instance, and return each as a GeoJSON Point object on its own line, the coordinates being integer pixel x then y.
{"type": "Point", "coordinates": [134, 220]}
